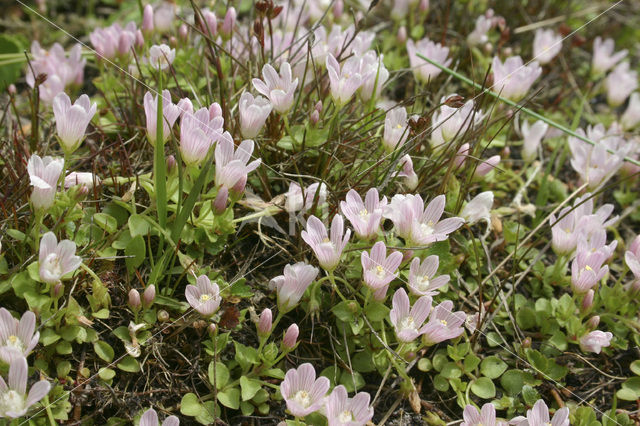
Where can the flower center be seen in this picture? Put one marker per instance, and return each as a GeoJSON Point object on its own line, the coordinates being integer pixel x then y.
{"type": "Point", "coordinates": [408, 323]}
{"type": "Point", "coordinates": [364, 213]}
{"type": "Point", "coordinates": [11, 400]}
{"type": "Point", "coordinates": [346, 416]}
{"type": "Point", "coordinates": [380, 273]}
{"type": "Point", "coordinates": [52, 263]}
{"type": "Point", "coordinates": [15, 342]}
{"type": "Point", "coordinates": [302, 398]}
{"type": "Point", "coordinates": [423, 282]}
{"type": "Point", "coordinates": [204, 298]}
{"type": "Point", "coordinates": [398, 126]}
{"type": "Point", "coordinates": [427, 228]}
{"type": "Point", "coordinates": [443, 322]}
{"type": "Point", "coordinates": [588, 268]}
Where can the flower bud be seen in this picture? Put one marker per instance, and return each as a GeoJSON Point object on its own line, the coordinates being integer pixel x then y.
{"type": "Point", "coordinates": [338, 8]}
{"type": "Point", "coordinates": [134, 300]}
{"type": "Point", "coordinates": [402, 35]}
{"type": "Point", "coordinates": [139, 38]}
{"type": "Point", "coordinates": [147, 19]}
{"type": "Point", "coordinates": [212, 329]}
{"type": "Point", "coordinates": [265, 323]}
{"type": "Point", "coordinates": [229, 21]}
{"type": "Point", "coordinates": [424, 6]}
{"type": "Point", "coordinates": [163, 316]}
{"type": "Point", "coordinates": [183, 31]}
{"type": "Point", "coordinates": [314, 117]}
{"type": "Point", "coordinates": [290, 337]}
{"type": "Point", "coordinates": [593, 322]}
{"type": "Point", "coordinates": [319, 106]}
{"type": "Point", "coordinates": [220, 203]}
{"type": "Point", "coordinates": [587, 302]}
{"type": "Point", "coordinates": [57, 290]}
{"type": "Point", "coordinates": [634, 247]}
{"type": "Point", "coordinates": [407, 255]}
{"type": "Point", "coordinates": [12, 89]}
{"type": "Point", "coordinates": [171, 163]}
{"type": "Point", "coordinates": [173, 41]}
{"type": "Point", "coordinates": [485, 166]}
{"type": "Point", "coordinates": [526, 343]}
{"type": "Point", "coordinates": [148, 296]}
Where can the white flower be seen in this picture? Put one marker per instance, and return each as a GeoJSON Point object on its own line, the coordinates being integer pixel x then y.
{"type": "Point", "coordinates": [161, 56]}
{"type": "Point", "coordinates": [546, 45]}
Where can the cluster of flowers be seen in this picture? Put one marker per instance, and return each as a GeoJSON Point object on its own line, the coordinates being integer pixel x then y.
{"type": "Point", "coordinates": [579, 233]}
{"type": "Point", "coordinates": [536, 416]}
{"type": "Point", "coordinates": [17, 340]}
{"type": "Point", "coordinates": [61, 69]}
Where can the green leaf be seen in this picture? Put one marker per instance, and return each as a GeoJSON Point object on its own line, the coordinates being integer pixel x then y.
{"type": "Point", "coordinates": [526, 318]}
{"type": "Point", "coordinates": [346, 310]}
{"type": "Point", "coordinates": [103, 350]}
{"type": "Point", "coordinates": [246, 355]}
{"type": "Point", "coordinates": [376, 311]}
{"type": "Point", "coordinates": [512, 382]}
{"type": "Point", "coordinates": [106, 374]}
{"type": "Point", "coordinates": [129, 364]}
{"type": "Point", "coordinates": [9, 73]}
{"type": "Point", "coordinates": [249, 387]}
{"type": "Point", "coordinates": [424, 364]}
{"type": "Point", "coordinates": [221, 374]}
{"type": "Point", "coordinates": [190, 406]}
{"type": "Point", "coordinates": [137, 249]}
{"type": "Point", "coordinates": [483, 388]}
{"type": "Point", "coordinates": [64, 348]}
{"type": "Point", "coordinates": [48, 336]}
{"type": "Point", "coordinates": [451, 370]}
{"type": "Point", "coordinates": [107, 222]}
{"type": "Point", "coordinates": [230, 398]}
{"type": "Point", "coordinates": [492, 367]}
{"type": "Point", "coordinates": [471, 361]}
{"type": "Point", "coordinates": [635, 367]}
{"type": "Point", "coordinates": [440, 383]}
{"type": "Point", "coordinates": [138, 226]}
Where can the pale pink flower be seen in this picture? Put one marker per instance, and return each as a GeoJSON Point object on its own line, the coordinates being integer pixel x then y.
{"type": "Point", "coordinates": [379, 270]}
{"type": "Point", "coordinates": [633, 263]}
{"type": "Point", "coordinates": [587, 270]}
{"type": "Point", "coordinates": [265, 322]}
{"type": "Point", "coordinates": [292, 284]}
{"type": "Point", "coordinates": [86, 179]}
{"type": "Point", "coordinates": [532, 136]}
{"type": "Point", "coordinates": [479, 208]}
{"type": "Point", "coordinates": [593, 237]}
{"type": "Point", "coordinates": [253, 114]}
{"type": "Point", "coordinates": [72, 120]}
{"type": "Point", "coordinates": [546, 45]}
{"type": "Point", "coordinates": [295, 201]}
{"type": "Point", "coordinates": [290, 337]}
{"type": "Point", "coordinates": [595, 164]}
{"type": "Point", "coordinates": [303, 393]}
{"type": "Point", "coordinates": [164, 16]}
{"type": "Point", "coordinates": [364, 216]}
{"type": "Point", "coordinates": [631, 116]}
{"type": "Point", "coordinates": [595, 341]}
{"type": "Point", "coordinates": [409, 175]}
{"type": "Point", "coordinates": [344, 82]}
{"type": "Point", "coordinates": [197, 134]}
{"type": "Point", "coordinates": [419, 224]}
{"type": "Point", "coordinates": [147, 25]}
{"type": "Point", "coordinates": [422, 70]}
{"type": "Point", "coordinates": [232, 167]}
{"type": "Point", "coordinates": [62, 68]}
{"type": "Point", "coordinates": [278, 88]}
{"type": "Point", "coordinates": [620, 83]}
{"type": "Point", "coordinates": [327, 250]}
{"type": "Point", "coordinates": [148, 296]}
{"type": "Point", "coordinates": [479, 36]}
{"type": "Point", "coordinates": [512, 79]}
{"type": "Point", "coordinates": [461, 155]}
{"type": "Point", "coordinates": [204, 297]}
{"type": "Point", "coordinates": [449, 122]}
{"type": "Point", "coordinates": [170, 112]}
{"type": "Point", "coordinates": [603, 56]}
{"type": "Point", "coordinates": [485, 417]}
{"type": "Point", "coordinates": [374, 75]}
{"type": "Point", "coordinates": [422, 276]}
{"type": "Point", "coordinates": [114, 40]}
{"type": "Point", "coordinates": [444, 324]}
{"type": "Point", "coordinates": [150, 418]}
{"type": "Point", "coordinates": [408, 321]}
{"type": "Point", "coordinates": [539, 416]}
{"type": "Point", "coordinates": [17, 338]}
{"type": "Point", "coordinates": [396, 129]}
{"type": "Point", "coordinates": [56, 259]}
{"type": "Point", "coordinates": [14, 397]}
{"type": "Point", "coordinates": [43, 175]}
{"type": "Point", "coordinates": [161, 56]}
{"type": "Point", "coordinates": [341, 410]}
